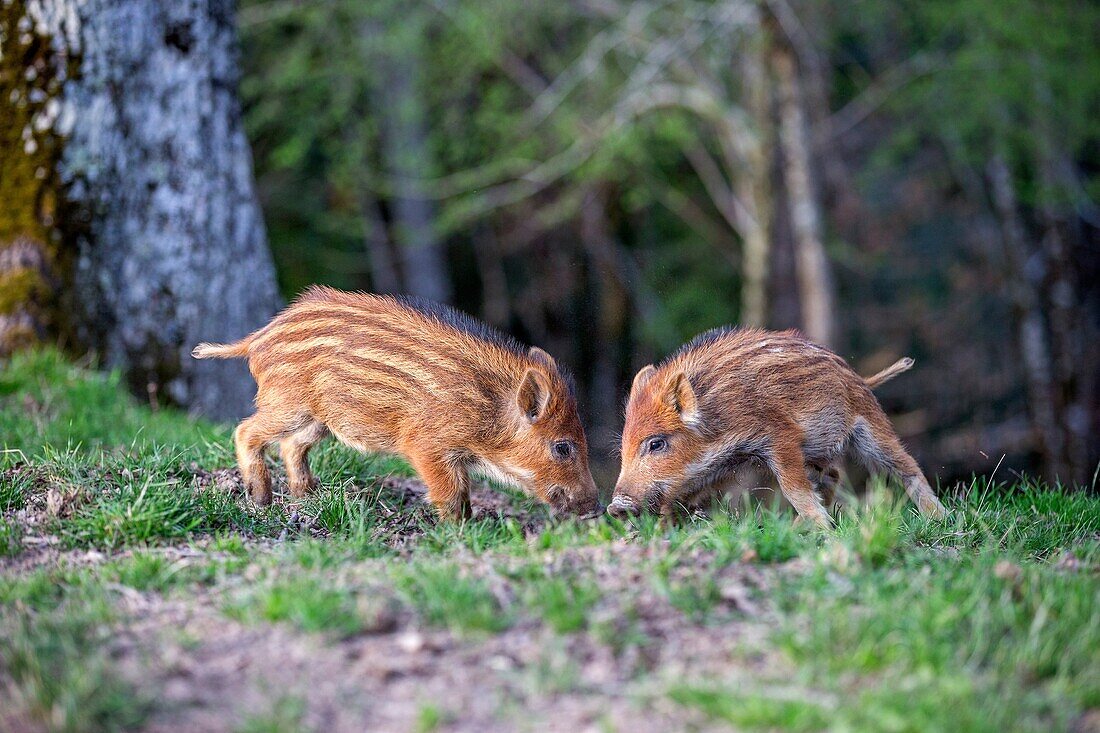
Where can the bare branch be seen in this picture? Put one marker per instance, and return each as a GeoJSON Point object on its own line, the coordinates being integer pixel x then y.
{"type": "Point", "coordinates": [874, 96]}
{"type": "Point", "coordinates": [711, 232]}
{"type": "Point", "coordinates": [719, 191]}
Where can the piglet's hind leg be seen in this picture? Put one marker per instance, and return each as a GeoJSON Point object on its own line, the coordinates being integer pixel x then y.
{"type": "Point", "coordinates": [878, 448]}
{"type": "Point", "coordinates": [252, 436]}
{"type": "Point", "coordinates": [295, 453]}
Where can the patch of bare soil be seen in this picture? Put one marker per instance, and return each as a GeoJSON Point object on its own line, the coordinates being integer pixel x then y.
{"type": "Point", "coordinates": [207, 672]}
{"type": "Point", "coordinates": [204, 671]}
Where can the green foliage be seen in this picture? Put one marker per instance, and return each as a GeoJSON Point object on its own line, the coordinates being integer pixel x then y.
{"type": "Point", "coordinates": [320, 139]}
{"type": "Point", "coordinates": [985, 78]}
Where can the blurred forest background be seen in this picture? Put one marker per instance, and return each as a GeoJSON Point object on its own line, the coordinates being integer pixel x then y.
{"type": "Point", "coordinates": [600, 177]}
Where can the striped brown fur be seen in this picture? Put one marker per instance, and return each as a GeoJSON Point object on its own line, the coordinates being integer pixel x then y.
{"type": "Point", "coordinates": [414, 378]}
{"type": "Point", "coordinates": [737, 395]}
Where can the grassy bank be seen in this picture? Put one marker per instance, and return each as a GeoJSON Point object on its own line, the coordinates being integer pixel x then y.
{"type": "Point", "coordinates": [133, 574]}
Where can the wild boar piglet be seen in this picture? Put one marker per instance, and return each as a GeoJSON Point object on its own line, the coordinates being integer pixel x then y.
{"type": "Point", "coordinates": [414, 378]}
{"type": "Point", "coordinates": [737, 395]}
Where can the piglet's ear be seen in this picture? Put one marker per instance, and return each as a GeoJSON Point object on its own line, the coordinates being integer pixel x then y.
{"type": "Point", "coordinates": [679, 395]}
{"type": "Point", "coordinates": [642, 377]}
{"type": "Point", "coordinates": [533, 394]}
{"type": "Point", "coordinates": [543, 358]}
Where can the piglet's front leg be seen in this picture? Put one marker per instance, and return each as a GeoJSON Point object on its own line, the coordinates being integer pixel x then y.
{"type": "Point", "coordinates": [448, 486]}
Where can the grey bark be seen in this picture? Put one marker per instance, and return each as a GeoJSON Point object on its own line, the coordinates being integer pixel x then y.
{"type": "Point", "coordinates": [171, 247]}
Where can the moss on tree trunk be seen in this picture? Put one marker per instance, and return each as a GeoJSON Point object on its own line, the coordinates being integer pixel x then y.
{"type": "Point", "coordinates": [129, 185]}
{"type": "Point", "coordinates": [32, 73]}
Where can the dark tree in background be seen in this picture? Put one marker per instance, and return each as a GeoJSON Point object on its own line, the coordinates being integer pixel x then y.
{"type": "Point", "coordinates": [603, 178]}
{"type": "Point", "coordinates": [144, 213]}
{"type": "Point", "coordinates": [608, 178]}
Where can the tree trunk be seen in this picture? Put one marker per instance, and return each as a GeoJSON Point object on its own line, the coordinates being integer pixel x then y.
{"type": "Point", "coordinates": [1073, 364]}
{"type": "Point", "coordinates": [159, 209]}
{"type": "Point", "coordinates": [753, 186]}
{"type": "Point", "coordinates": [383, 268]}
{"type": "Point", "coordinates": [840, 196]}
{"type": "Point", "coordinates": [495, 301]}
{"type": "Point", "coordinates": [405, 149]}
{"type": "Point", "coordinates": [1071, 368]}
{"type": "Point", "coordinates": [613, 305]}
{"type": "Point", "coordinates": [1031, 332]}
{"type": "Point", "coordinates": [812, 266]}
{"type": "Point", "coordinates": [32, 73]}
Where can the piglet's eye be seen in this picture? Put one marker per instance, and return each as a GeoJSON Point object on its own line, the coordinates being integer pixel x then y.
{"type": "Point", "coordinates": [562, 450]}
{"type": "Point", "coordinates": [656, 445]}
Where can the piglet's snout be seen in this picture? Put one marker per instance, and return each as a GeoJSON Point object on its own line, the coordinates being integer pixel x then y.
{"type": "Point", "coordinates": [597, 512]}
{"type": "Point", "coordinates": [621, 507]}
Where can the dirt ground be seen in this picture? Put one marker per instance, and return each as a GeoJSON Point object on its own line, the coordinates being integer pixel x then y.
{"type": "Point", "coordinates": [202, 670]}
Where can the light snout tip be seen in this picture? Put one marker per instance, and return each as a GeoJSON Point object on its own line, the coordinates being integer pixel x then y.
{"type": "Point", "coordinates": [621, 506]}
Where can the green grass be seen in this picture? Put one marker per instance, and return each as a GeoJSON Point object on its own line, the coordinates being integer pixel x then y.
{"type": "Point", "coordinates": [428, 718]}
{"type": "Point", "coordinates": [478, 536]}
{"type": "Point", "coordinates": [986, 621]}
{"type": "Point", "coordinates": [158, 573]}
{"type": "Point", "coordinates": [47, 401]}
{"type": "Point", "coordinates": [304, 601]}
{"type": "Point", "coordinates": [11, 538]}
{"type": "Point", "coordinates": [130, 513]}
{"type": "Point", "coordinates": [14, 485]}
{"type": "Point", "coordinates": [285, 717]}
{"type": "Point", "coordinates": [443, 596]}
{"type": "Point", "coordinates": [753, 711]}
{"type": "Point", "coordinates": [54, 648]}
{"type": "Point", "coordinates": [563, 601]}
{"type": "Point", "coordinates": [910, 636]}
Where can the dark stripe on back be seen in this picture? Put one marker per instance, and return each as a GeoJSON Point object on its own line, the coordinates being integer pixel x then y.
{"type": "Point", "coordinates": [464, 322]}
{"type": "Point", "coordinates": [703, 340]}
{"type": "Point", "coordinates": [442, 314]}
